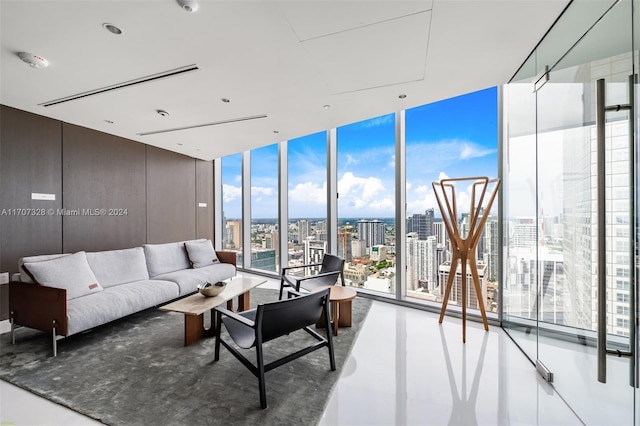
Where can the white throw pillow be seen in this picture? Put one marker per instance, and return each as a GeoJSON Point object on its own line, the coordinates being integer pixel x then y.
{"type": "Point", "coordinates": [201, 253]}
{"type": "Point", "coordinates": [71, 273]}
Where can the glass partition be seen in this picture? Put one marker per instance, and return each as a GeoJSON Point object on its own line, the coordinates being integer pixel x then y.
{"type": "Point", "coordinates": [568, 278]}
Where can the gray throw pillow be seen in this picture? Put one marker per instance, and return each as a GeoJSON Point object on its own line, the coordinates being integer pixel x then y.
{"type": "Point", "coordinates": [71, 273]}
{"type": "Point", "coordinates": [201, 253]}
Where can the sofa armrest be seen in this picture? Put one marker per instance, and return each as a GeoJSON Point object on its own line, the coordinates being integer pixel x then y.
{"type": "Point", "coordinates": [39, 307]}
{"type": "Point", "coordinates": [227, 257]}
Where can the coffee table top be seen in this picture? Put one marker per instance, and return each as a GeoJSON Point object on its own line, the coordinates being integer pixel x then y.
{"type": "Point", "coordinates": [197, 304]}
{"type": "Point", "coordinates": [338, 293]}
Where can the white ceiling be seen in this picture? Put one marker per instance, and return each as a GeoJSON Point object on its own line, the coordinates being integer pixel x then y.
{"type": "Point", "coordinates": [282, 59]}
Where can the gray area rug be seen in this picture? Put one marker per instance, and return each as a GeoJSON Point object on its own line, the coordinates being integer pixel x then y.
{"type": "Point", "coordinates": [136, 371]}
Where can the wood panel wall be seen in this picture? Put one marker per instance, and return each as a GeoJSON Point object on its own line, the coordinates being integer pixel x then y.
{"type": "Point", "coordinates": [89, 170]}
{"type": "Point", "coordinates": [31, 162]}
{"type": "Point", "coordinates": [104, 180]}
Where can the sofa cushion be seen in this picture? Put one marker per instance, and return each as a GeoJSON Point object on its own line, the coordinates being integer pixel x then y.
{"type": "Point", "coordinates": [201, 253]}
{"type": "Point", "coordinates": [169, 257]}
{"type": "Point", "coordinates": [115, 267]}
{"type": "Point", "coordinates": [24, 277]}
{"type": "Point", "coordinates": [71, 273]}
{"type": "Point", "coordinates": [189, 279]}
{"type": "Point", "coordinates": [116, 302]}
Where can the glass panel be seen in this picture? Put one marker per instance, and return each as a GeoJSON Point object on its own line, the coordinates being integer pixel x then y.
{"type": "Point", "coordinates": [519, 287]}
{"type": "Point", "coordinates": [564, 187]}
{"type": "Point", "coordinates": [366, 203]}
{"type": "Point", "coordinates": [307, 233]}
{"type": "Point", "coordinates": [265, 236]}
{"type": "Point", "coordinates": [232, 204]}
{"type": "Point", "coordinates": [454, 138]}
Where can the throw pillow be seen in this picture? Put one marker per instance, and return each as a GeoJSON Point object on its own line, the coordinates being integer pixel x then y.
{"type": "Point", "coordinates": [71, 273]}
{"type": "Point", "coordinates": [201, 253]}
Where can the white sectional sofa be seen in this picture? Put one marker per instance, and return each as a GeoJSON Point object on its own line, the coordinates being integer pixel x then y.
{"type": "Point", "coordinates": [66, 294]}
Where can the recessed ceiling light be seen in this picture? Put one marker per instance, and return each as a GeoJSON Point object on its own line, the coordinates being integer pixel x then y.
{"type": "Point", "coordinates": [189, 5]}
{"type": "Point", "coordinates": [197, 149]}
{"type": "Point", "coordinates": [34, 61]}
{"type": "Point", "coordinates": [112, 28]}
{"type": "Point", "coordinates": [108, 121]}
{"type": "Point", "coordinates": [179, 144]}
{"type": "Point", "coordinates": [162, 113]}
{"type": "Point", "coordinates": [276, 131]}
{"type": "Point", "coordinates": [225, 100]}
{"type": "Point", "coordinates": [326, 106]}
{"type": "Point", "coordinates": [402, 96]}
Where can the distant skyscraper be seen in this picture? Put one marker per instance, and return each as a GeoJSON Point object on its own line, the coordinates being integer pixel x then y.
{"type": "Point", "coordinates": [440, 233]}
{"type": "Point", "coordinates": [314, 251]}
{"type": "Point", "coordinates": [233, 234]}
{"type": "Point", "coordinates": [490, 252]}
{"type": "Point", "coordinates": [371, 231]}
{"type": "Point", "coordinates": [304, 230]}
{"type": "Point", "coordinates": [422, 266]}
{"type": "Point", "coordinates": [455, 296]}
{"type": "Point", "coordinates": [358, 248]}
{"type": "Point", "coordinates": [344, 245]}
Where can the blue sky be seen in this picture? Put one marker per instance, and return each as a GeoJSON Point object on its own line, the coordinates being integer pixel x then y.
{"type": "Point", "coordinates": [457, 137]}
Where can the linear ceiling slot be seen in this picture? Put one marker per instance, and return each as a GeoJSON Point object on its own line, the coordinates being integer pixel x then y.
{"type": "Point", "coordinates": [146, 79]}
{"type": "Point", "coordinates": [215, 123]}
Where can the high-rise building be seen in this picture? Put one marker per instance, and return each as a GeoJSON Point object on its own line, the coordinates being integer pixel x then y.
{"type": "Point", "coordinates": [422, 265]}
{"type": "Point", "coordinates": [314, 251]}
{"type": "Point", "coordinates": [304, 230]}
{"type": "Point", "coordinates": [473, 299]}
{"type": "Point", "coordinates": [233, 234]}
{"type": "Point", "coordinates": [344, 245]}
{"type": "Point", "coordinates": [371, 231]}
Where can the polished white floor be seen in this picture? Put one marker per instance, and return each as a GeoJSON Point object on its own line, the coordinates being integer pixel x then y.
{"type": "Point", "coordinates": [404, 369]}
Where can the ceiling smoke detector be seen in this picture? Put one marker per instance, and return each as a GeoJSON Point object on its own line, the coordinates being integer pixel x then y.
{"type": "Point", "coordinates": [34, 61]}
{"type": "Point", "coordinates": [188, 5]}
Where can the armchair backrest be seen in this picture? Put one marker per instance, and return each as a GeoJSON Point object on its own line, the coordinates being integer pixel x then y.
{"type": "Point", "coordinates": [276, 319]}
{"type": "Point", "coordinates": [331, 263]}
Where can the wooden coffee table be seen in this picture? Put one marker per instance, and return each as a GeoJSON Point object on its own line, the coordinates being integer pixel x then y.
{"type": "Point", "coordinates": [193, 307]}
{"type": "Point", "coordinates": [340, 298]}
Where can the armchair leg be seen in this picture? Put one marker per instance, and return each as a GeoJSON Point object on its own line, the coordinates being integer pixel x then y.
{"type": "Point", "coordinates": [329, 330]}
{"type": "Point", "coordinates": [261, 384]}
{"type": "Point", "coordinates": [281, 288]}
{"type": "Point", "coordinates": [218, 330]}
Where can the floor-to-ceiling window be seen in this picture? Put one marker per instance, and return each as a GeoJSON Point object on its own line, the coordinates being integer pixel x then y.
{"type": "Point", "coordinates": [265, 235]}
{"type": "Point", "coordinates": [453, 138]}
{"type": "Point", "coordinates": [307, 200]}
{"type": "Point", "coordinates": [232, 204]}
{"type": "Point", "coordinates": [366, 202]}
{"type": "Point", "coordinates": [569, 171]}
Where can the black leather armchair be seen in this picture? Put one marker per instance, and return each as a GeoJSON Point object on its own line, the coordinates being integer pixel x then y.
{"type": "Point", "coordinates": [270, 321]}
{"type": "Point", "coordinates": [332, 268]}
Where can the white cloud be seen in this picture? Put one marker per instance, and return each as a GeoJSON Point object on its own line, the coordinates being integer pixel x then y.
{"type": "Point", "coordinates": [258, 191]}
{"type": "Point", "coordinates": [360, 192]}
{"type": "Point", "coordinates": [230, 192]}
{"type": "Point", "coordinates": [378, 121]}
{"type": "Point", "coordinates": [471, 150]}
{"type": "Point", "coordinates": [237, 178]}
{"type": "Point", "coordinates": [351, 160]}
{"type": "Point", "coordinates": [309, 192]}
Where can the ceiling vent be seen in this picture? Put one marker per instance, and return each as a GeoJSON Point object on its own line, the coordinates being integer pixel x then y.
{"type": "Point", "coordinates": [146, 79]}
{"type": "Point", "coordinates": [215, 123]}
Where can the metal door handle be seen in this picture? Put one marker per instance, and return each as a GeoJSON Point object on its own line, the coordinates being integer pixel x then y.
{"type": "Point", "coordinates": [602, 351]}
